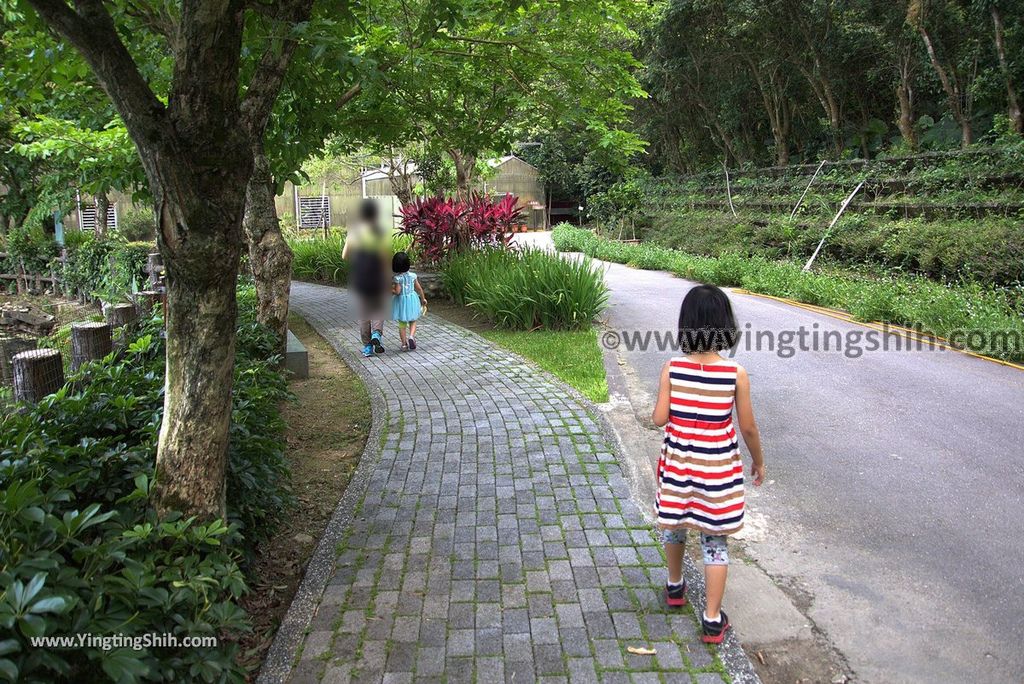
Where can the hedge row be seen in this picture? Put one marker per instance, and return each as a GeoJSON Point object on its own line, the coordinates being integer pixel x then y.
{"type": "Point", "coordinates": [105, 267]}
{"type": "Point", "coordinates": [988, 251]}
{"type": "Point", "coordinates": [989, 321]}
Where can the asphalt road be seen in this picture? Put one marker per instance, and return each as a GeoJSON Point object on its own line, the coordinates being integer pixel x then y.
{"type": "Point", "coordinates": [894, 511]}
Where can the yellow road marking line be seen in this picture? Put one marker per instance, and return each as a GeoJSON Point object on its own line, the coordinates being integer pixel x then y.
{"type": "Point", "coordinates": [908, 333]}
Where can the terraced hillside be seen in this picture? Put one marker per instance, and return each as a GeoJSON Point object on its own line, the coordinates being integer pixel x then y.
{"type": "Point", "coordinates": [949, 216]}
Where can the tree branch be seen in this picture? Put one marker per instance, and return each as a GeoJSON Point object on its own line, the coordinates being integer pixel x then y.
{"type": "Point", "coordinates": [158, 21]}
{"type": "Point", "coordinates": [349, 95]}
{"type": "Point", "coordinates": [91, 30]}
{"type": "Point", "coordinates": [269, 75]}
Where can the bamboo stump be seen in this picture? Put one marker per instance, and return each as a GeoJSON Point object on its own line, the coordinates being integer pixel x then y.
{"type": "Point", "coordinates": [89, 341]}
{"type": "Point", "coordinates": [120, 315]}
{"type": "Point", "coordinates": [37, 373]}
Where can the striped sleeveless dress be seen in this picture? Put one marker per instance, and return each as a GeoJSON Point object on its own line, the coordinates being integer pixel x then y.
{"type": "Point", "coordinates": [700, 473]}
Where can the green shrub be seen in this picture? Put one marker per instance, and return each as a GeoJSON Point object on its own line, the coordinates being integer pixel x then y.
{"type": "Point", "coordinates": [935, 308]}
{"type": "Point", "coordinates": [319, 259]}
{"type": "Point", "coordinates": [527, 289]}
{"type": "Point", "coordinates": [568, 238]}
{"type": "Point", "coordinates": [137, 225]}
{"type": "Point", "coordinates": [73, 239]}
{"type": "Point", "coordinates": [81, 551]}
{"type": "Point", "coordinates": [30, 247]}
{"type": "Point", "coordinates": [106, 267]}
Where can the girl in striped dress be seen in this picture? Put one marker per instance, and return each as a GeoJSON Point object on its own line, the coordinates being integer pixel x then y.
{"type": "Point", "coordinates": [700, 474]}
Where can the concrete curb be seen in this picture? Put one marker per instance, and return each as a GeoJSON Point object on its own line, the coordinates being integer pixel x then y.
{"type": "Point", "coordinates": [277, 666]}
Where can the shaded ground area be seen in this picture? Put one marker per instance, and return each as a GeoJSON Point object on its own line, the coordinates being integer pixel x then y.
{"type": "Point", "coordinates": [496, 540]}
{"type": "Point", "coordinates": [327, 426]}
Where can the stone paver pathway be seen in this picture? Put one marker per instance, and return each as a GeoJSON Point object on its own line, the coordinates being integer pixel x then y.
{"type": "Point", "coordinates": [496, 541]}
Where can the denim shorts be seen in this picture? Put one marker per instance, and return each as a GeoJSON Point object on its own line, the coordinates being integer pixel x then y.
{"type": "Point", "coordinates": [713, 547]}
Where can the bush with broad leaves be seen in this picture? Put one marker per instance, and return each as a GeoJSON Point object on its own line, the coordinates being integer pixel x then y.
{"type": "Point", "coordinates": [443, 226]}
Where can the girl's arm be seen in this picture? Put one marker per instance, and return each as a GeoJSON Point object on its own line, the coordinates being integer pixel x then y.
{"type": "Point", "coordinates": [396, 288]}
{"type": "Point", "coordinates": [748, 426]}
{"type": "Point", "coordinates": [661, 408]}
{"type": "Point", "coordinates": [419, 291]}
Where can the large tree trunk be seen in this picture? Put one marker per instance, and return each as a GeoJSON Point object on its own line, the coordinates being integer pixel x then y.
{"type": "Point", "coordinates": [102, 205]}
{"type": "Point", "coordinates": [191, 461]}
{"type": "Point", "coordinates": [269, 254]}
{"type": "Point", "coordinates": [904, 96]}
{"type": "Point", "coordinates": [950, 88]}
{"type": "Point", "coordinates": [465, 168]}
{"type": "Point", "coordinates": [196, 149]}
{"type": "Point", "coordinates": [200, 240]}
{"type": "Point", "coordinates": [823, 90]}
{"type": "Point", "coordinates": [776, 107]}
{"type": "Point", "coordinates": [1013, 105]}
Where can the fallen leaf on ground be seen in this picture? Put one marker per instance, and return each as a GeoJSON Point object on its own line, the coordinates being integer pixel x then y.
{"type": "Point", "coordinates": [639, 650]}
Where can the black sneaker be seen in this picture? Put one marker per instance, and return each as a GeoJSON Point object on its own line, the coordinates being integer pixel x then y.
{"type": "Point", "coordinates": [378, 348]}
{"type": "Point", "coordinates": [714, 632]}
{"type": "Point", "coordinates": [412, 344]}
{"type": "Point", "coordinates": [675, 597]}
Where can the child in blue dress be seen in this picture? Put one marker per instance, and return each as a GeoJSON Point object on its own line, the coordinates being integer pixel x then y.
{"type": "Point", "coordinates": [409, 301]}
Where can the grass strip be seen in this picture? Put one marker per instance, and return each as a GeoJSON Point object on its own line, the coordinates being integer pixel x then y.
{"type": "Point", "coordinates": [984, 320]}
{"type": "Point", "coordinates": [573, 356]}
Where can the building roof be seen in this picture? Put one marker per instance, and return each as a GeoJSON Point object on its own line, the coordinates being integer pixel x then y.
{"type": "Point", "coordinates": [411, 168]}
{"type": "Point", "coordinates": [382, 172]}
{"type": "Point", "coordinates": [495, 163]}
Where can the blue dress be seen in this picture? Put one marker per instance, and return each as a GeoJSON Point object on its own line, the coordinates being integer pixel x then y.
{"type": "Point", "coordinates": [405, 306]}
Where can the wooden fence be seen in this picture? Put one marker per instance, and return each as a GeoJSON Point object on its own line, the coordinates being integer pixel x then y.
{"type": "Point", "coordinates": [27, 281]}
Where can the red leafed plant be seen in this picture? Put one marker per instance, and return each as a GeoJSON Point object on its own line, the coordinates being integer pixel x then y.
{"type": "Point", "coordinates": [436, 226]}
{"type": "Point", "coordinates": [440, 226]}
{"type": "Point", "coordinates": [493, 223]}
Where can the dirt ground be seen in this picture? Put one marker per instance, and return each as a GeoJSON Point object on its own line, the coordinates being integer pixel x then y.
{"type": "Point", "coordinates": [66, 310]}
{"type": "Point", "coordinates": [327, 427]}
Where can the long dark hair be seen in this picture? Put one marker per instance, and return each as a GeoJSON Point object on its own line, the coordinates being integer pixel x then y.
{"type": "Point", "coordinates": [400, 263]}
{"type": "Point", "coordinates": [706, 321]}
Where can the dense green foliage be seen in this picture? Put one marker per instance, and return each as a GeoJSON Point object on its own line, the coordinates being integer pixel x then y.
{"type": "Point", "coordinates": [984, 320]}
{"type": "Point", "coordinates": [109, 268]}
{"type": "Point", "coordinates": [758, 82]}
{"type": "Point", "coordinates": [319, 259]}
{"type": "Point", "coordinates": [138, 225]}
{"type": "Point", "coordinates": [29, 247]}
{"type": "Point", "coordinates": [527, 289]}
{"type": "Point", "coordinates": [81, 550]}
{"type": "Point", "coordinates": [990, 251]}
{"type": "Point", "coordinates": [949, 216]}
